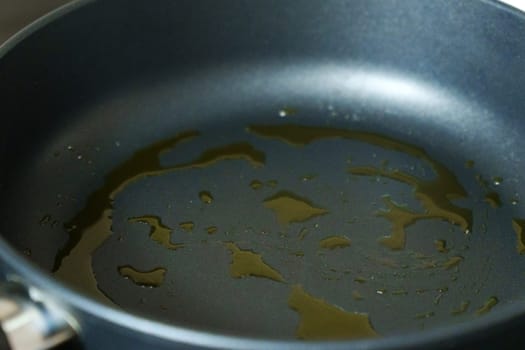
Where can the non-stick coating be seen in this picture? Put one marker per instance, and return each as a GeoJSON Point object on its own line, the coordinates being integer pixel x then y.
{"type": "Point", "coordinates": [81, 95]}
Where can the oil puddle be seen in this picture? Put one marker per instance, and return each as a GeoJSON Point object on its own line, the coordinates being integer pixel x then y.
{"type": "Point", "coordinates": [489, 304]}
{"type": "Point", "coordinates": [322, 321]}
{"type": "Point", "coordinates": [400, 217]}
{"type": "Point", "coordinates": [333, 242]}
{"type": "Point", "coordinates": [256, 184]}
{"type": "Point", "coordinates": [462, 308]}
{"type": "Point", "coordinates": [453, 261]}
{"type": "Point", "coordinates": [76, 267]}
{"type": "Point", "coordinates": [152, 278]}
{"type": "Point", "coordinates": [289, 207]}
{"type": "Point", "coordinates": [212, 230]}
{"type": "Point", "coordinates": [205, 197]}
{"type": "Point", "coordinates": [187, 226]}
{"type": "Point", "coordinates": [519, 227]}
{"type": "Point", "coordinates": [158, 231]}
{"type": "Point", "coordinates": [247, 263]}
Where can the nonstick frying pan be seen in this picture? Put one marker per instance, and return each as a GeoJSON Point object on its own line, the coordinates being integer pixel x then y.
{"type": "Point", "coordinates": [258, 174]}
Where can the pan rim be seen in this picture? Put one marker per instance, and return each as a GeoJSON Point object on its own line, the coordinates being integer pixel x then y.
{"type": "Point", "coordinates": [72, 299]}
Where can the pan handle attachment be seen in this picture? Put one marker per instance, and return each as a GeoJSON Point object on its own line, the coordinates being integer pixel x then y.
{"type": "Point", "coordinates": [29, 321]}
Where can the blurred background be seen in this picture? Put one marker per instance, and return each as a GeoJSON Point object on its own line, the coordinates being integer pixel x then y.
{"type": "Point", "coordinates": [16, 14]}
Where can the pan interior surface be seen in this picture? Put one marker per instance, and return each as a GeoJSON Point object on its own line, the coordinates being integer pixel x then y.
{"type": "Point", "coordinates": [269, 193]}
{"type": "Point", "coordinates": [226, 220]}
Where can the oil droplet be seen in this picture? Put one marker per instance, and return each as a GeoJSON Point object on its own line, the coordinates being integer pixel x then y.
{"type": "Point", "coordinates": [211, 230]}
{"type": "Point", "coordinates": [399, 292]}
{"type": "Point", "coordinates": [158, 231]}
{"type": "Point", "coordinates": [247, 263]}
{"type": "Point", "coordinates": [322, 321]}
{"type": "Point", "coordinates": [497, 180]}
{"type": "Point", "coordinates": [381, 291]}
{"type": "Point", "coordinates": [452, 262]}
{"type": "Point", "coordinates": [272, 183]}
{"type": "Point", "coordinates": [27, 252]}
{"type": "Point", "coordinates": [302, 233]}
{"type": "Point", "coordinates": [46, 219]}
{"type": "Point", "coordinates": [514, 201]}
{"type": "Point", "coordinates": [425, 315]}
{"type": "Point", "coordinates": [308, 177]}
{"type": "Point", "coordinates": [493, 199]}
{"type": "Point", "coordinates": [256, 184]}
{"type": "Point", "coordinates": [519, 227]}
{"type": "Point", "coordinates": [187, 226]}
{"type": "Point", "coordinates": [291, 208]}
{"type": "Point", "coordinates": [441, 245]}
{"type": "Point", "coordinates": [463, 307]}
{"type": "Point", "coordinates": [152, 278]}
{"type": "Point", "coordinates": [333, 242]}
{"type": "Point", "coordinates": [205, 197]}
{"type": "Point", "coordinates": [469, 164]}
{"type": "Point", "coordinates": [356, 295]}
{"type": "Point", "coordinates": [360, 279]}
{"type": "Point", "coordinates": [69, 148]}
{"type": "Point", "coordinates": [489, 304]}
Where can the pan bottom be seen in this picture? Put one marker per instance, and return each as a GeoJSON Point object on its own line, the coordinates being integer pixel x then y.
{"type": "Point", "coordinates": [355, 192]}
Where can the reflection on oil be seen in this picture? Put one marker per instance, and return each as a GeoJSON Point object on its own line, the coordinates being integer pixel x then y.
{"type": "Point", "coordinates": [333, 242]}
{"type": "Point", "coordinates": [321, 321]}
{"type": "Point", "coordinates": [152, 278]}
{"type": "Point", "coordinates": [290, 207]}
{"type": "Point", "coordinates": [247, 263]}
{"type": "Point", "coordinates": [158, 232]}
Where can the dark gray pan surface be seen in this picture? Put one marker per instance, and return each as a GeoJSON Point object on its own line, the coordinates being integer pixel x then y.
{"type": "Point", "coordinates": [118, 76]}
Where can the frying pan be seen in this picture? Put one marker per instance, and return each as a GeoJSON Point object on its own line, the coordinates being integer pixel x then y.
{"type": "Point", "coordinates": [258, 174]}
